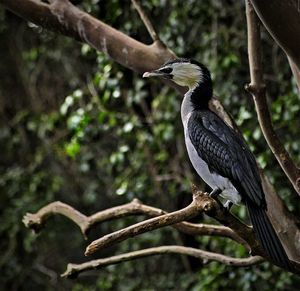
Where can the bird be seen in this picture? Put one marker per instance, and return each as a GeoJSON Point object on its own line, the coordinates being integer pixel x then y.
{"type": "Point", "coordinates": [219, 155]}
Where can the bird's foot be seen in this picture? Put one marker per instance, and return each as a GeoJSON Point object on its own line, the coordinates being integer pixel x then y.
{"type": "Point", "coordinates": [215, 193]}
{"type": "Point", "coordinates": [228, 204]}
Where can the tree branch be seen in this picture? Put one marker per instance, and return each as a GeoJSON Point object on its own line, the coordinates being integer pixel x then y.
{"type": "Point", "coordinates": [37, 220]}
{"type": "Point", "coordinates": [146, 21]}
{"type": "Point", "coordinates": [201, 203]}
{"type": "Point", "coordinates": [258, 91]}
{"type": "Point", "coordinates": [65, 18]}
{"type": "Point", "coordinates": [73, 270]}
{"type": "Point", "coordinates": [188, 212]}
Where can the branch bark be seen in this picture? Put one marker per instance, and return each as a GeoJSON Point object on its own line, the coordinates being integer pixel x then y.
{"type": "Point", "coordinates": [36, 221]}
{"type": "Point", "coordinates": [65, 18]}
{"type": "Point", "coordinates": [201, 203]}
{"type": "Point", "coordinates": [73, 270]}
{"type": "Point", "coordinates": [257, 89]}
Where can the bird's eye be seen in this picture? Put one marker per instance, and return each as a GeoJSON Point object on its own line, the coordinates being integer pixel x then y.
{"type": "Point", "coordinates": [166, 70]}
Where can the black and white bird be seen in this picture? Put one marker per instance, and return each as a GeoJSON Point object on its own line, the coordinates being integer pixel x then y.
{"type": "Point", "coordinates": [218, 154]}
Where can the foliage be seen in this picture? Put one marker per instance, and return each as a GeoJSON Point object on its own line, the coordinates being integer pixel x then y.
{"type": "Point", "coordinates": [94, 134]}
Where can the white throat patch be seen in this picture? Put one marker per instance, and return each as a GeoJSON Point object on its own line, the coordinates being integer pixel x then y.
{"type": "Point", "coordinates": [186, 74]}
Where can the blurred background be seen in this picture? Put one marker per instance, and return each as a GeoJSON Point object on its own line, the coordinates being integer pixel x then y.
{"type": "Point", "coordinates": [77, 127]}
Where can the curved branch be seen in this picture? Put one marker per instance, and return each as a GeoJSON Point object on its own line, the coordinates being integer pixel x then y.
{"type": "Point", "coordinates": [74, 269]}
{"type": "Point", "coordinates": [65, 18]}
{"type": "Point", "coordinates": [201, 203]}
{"type": "Point", "coordinates": [258, 91]}
{"type": "Point", "coordinates": [36, 221]}
{"type": "Point", "coordinates": [192, 210]}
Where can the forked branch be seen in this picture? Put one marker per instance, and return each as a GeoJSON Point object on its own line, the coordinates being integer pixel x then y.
{"type": "Point", "coordinates": [201, 203]}
{"type": "Point", "coordinates": [36, 221]}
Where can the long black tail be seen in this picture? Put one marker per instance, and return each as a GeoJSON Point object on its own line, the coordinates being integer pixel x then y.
{"type": "Point", "coordinates": [268, 237]}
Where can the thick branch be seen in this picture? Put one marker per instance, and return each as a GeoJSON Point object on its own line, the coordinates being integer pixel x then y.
{"type": "Point", "coordinates": [74, 269]}
{"type": "Point", "coordinates": [257, 89]}
{"type": "Point", "coordinates": [65, 18]}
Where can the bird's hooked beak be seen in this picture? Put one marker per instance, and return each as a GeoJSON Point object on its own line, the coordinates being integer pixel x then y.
{"type": "Point", "coordinates": [154, 73]}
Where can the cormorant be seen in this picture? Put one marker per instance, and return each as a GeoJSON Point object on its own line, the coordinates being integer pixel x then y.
{"type": "Point", "coordinates": [218, 154]}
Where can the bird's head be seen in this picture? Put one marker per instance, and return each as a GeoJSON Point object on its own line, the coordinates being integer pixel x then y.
{"type": "Point", "coordinates": [184, 72]}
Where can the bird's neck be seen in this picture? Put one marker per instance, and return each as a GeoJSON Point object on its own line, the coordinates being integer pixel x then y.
{"type": "Point", "coordinates": [196, 98]}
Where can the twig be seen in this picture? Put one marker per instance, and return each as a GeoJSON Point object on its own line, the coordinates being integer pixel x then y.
{"type": "Point", "coordinates": [74, 269]}
{"type": "Point", "coordinates": [258, 91]}
{"type": "Point", "coordinates": [201, 203]}
{"type": "Point", "coordinates": [146, 20]}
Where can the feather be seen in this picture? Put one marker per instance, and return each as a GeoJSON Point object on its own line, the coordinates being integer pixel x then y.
{"type": "Point", "coordinates": [226, 154]}
{"type": "Point", "coordinates": [267, 236]}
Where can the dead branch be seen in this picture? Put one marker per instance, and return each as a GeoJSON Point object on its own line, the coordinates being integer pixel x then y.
{"type": "Point", "coordinates": [188, 212]}
{"type": "Point", "coordinates": [201, 203]}
{"type": "Point", "coordinates": [75, 269]}
{"type": "Point", "coordinates": [37, 220]}
{"type": "Point", "coordinates": [258, 91]}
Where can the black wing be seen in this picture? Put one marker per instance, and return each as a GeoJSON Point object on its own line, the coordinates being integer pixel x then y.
{"type": "Point", "coordinates": [226, 154]}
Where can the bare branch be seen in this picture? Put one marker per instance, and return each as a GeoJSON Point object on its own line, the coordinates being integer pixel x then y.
{"type": "Point", "coordinates": [192, 210]}
{"type": "Point", "coordinates": [146, 20]}
{"type": "Point", "coordinates": [201, 203]}
{"type": "Point", "coordinates": [74, 269]}
{"type": "Point", "coordinates": [258, 91]}
{"type": "Point", "coordinates": [37, 220]}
